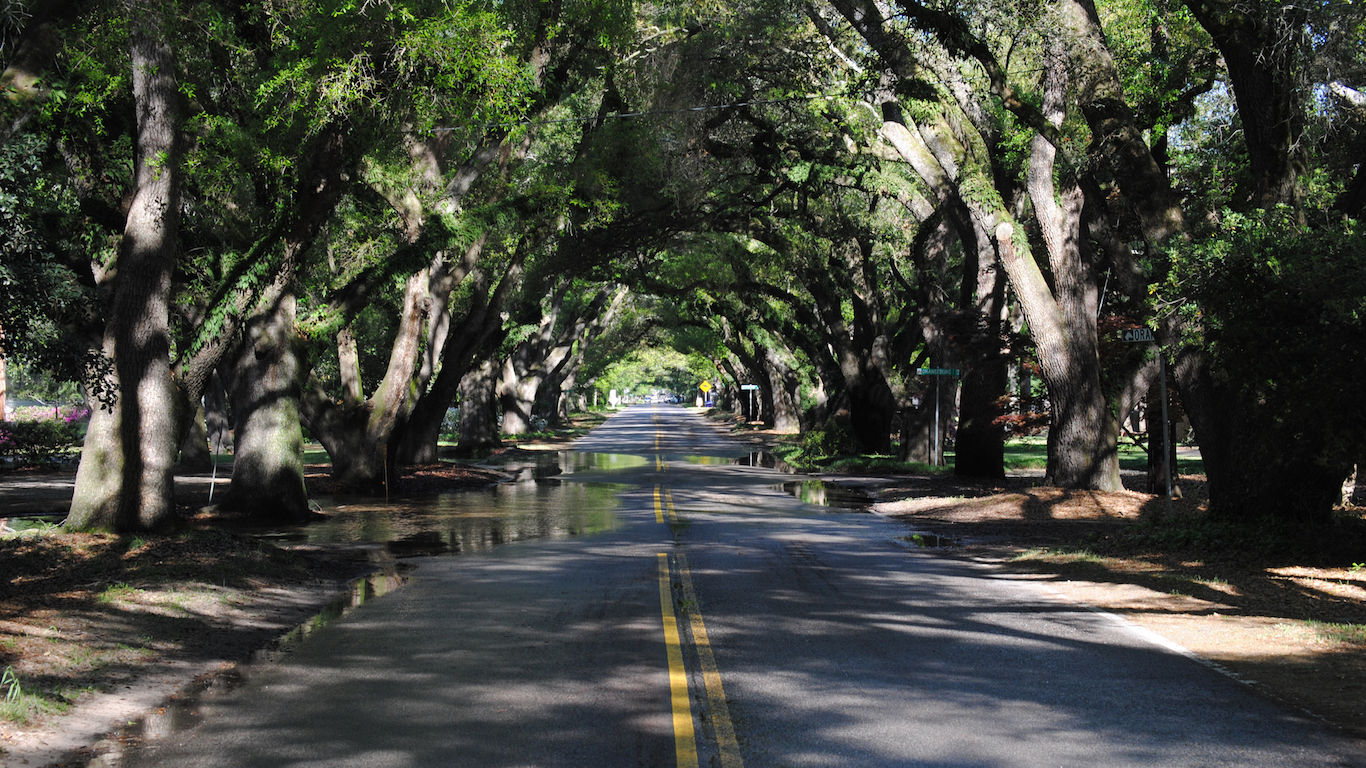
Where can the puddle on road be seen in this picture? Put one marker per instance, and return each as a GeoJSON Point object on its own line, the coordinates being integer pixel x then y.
{"type": "Point", "coordinates": [823, 494]}
{"type": "Point", "coordinates": [546, 464]}
{"type": "Point", "coordinates": [710, 461]}
{"type": "Point", "coordinates": [571, 462]}
{"type": "Point", "coordinates": [30, 522]}
{"type": "Point", "coordinates": [466, 521]}
{"type": "Point", "coordinates": [766, 460]}
{"type": "Point", "coordinates": [929, 540]}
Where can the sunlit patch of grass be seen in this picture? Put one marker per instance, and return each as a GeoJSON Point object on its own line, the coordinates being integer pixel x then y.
{"type": "Point", "coordinates": [117, 592]}
{"type": "Point", "coordinates": [1338, 633]}
{"type": "Point", "coordinates": [1062, 556]}
{"type": "Point", "coordinates": [1026, 453]}
{"type": "Point", "coordinates": [20, 705]}
{"type": "Point", "coordinates": [883, 465]}
{"type": "Point", "coordinates": [1215, 583]}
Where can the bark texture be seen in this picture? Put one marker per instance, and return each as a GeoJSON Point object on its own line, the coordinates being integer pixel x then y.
{"type": "Point", "coordinates": [479, 410]}
{"type": "Point", "coordinates": [124, 482]}
{"type": "Point", "coordinates": [268, 467]}
{"type": "Point", "coordinates": [267, 478]}
{"type": "Point", "coordinates": [357, 435]}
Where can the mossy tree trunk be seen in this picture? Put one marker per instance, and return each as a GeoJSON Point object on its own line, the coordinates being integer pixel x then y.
{"type": "Point", "coordinates": [268, 463]}
{"type": "Point", "coordinates": [268, 467]}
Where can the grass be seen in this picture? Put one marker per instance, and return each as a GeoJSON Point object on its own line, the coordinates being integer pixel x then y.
{"type": "Point", "coordinates": [1062, 556]}
{"type": "Point", "coordinates": [116, 592]}
{"type": "Point", "coordinates": [1020, 453]}
{"type": "Point", "coordinates": [1032, 453]}
{"type": "Point", "coordinates": [1338, 633]}
{"type": "Point", "coordinates": [20, 706]}
{"type": "Point", "coordinates": [883, 465]}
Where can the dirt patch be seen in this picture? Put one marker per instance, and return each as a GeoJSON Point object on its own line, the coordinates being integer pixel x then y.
{"type": "Point", "coordinates": [96, 630]}
{"type": "Point", "coordinates": [1292, 626]}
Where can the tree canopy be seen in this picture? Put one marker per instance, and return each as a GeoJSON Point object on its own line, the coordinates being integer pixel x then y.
{"type": "Point", "coordinates": [381, 210]}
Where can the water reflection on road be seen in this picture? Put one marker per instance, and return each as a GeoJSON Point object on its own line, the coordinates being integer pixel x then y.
{"type": "Point", "coordinates": [548, 495]}
{"type": "Point", "coordinates": [535, 505]}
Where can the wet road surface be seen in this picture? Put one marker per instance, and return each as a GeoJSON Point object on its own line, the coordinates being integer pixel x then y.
{"type": "Point", "coordinates": [693, 613]}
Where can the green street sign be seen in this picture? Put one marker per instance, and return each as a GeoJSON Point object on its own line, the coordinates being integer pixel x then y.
{"type": "Point", "coordinates": [937, 371]}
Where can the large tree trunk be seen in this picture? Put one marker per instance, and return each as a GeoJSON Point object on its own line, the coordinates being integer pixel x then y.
{"type": "Point", "coordinates": [1162, 466]}
{"type": "Point", "coordinates": [194, 446]}
{"type": "Point", "coordinates": [420, 431]}
{"type": "Point", "coordinates": [124, 482]}
{"type": "Point", "coordinates": [785, 389]}
{"type": "Point", "coordinates": [1254, 468]}
{"type": "Point", "coordinates": [1260, 48]}
{"type": "Point", "coordinates": [979, 447]}
{"type": "Point", "coordinates": [357, 435]}
{"type": "Point", "coordinates": [267, 479]}
{"type": "Point", "coordinates": [517, 397]}
{"type": "Point", "coordinates": [872, 404]}
{"type": "Point", "coordinates": [1084, 431]}
{"type": "Point", "coordinates": [479, 410]}
{"type": "Point", "coordinates": [268, 466]}
{"type": "Point", "coordinates": [539, 360]}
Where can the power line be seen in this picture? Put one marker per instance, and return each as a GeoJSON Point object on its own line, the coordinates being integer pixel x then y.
{"type": "Point", "coordinates": [624, 115]}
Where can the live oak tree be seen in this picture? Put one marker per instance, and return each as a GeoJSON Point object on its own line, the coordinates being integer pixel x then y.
{"type": "Point", "coordinates": [869, 188]}
{"type": "Point", "coordinates": [124, 481]}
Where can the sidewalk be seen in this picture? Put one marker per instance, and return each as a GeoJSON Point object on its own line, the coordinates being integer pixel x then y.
{"type": "Point", "coordinates": [27, 493]}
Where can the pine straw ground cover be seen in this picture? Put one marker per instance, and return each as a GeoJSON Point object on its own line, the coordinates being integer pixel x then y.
{"type": "Point", "coordinates": [1282, 609]}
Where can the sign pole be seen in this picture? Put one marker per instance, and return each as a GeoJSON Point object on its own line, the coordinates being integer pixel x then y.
{"type": "Point", "coordinates": [1167, 446]}
{"type": "Point", "coordinates": [933, 437]}
{"type": "Point", "coordinates": [934, 456]}
{"type": "Point", "coordinates": [1168, 450]}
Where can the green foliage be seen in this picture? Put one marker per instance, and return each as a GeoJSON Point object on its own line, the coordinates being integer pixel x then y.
{"type": "Point", "coordinates": [40, 294]}
{"type": "Point", "coordinates": [19, 705]}
{"type": "Point", "coordinates": [26, 380]}
{"type": "Point", "coordinates": [40, 443]}
{"type": "Point", "coordinates": [1283, 313]}
{"type": "Point", "coordinates": [643, 370]}
{"type": "Point", "coordinates": [829, 439]}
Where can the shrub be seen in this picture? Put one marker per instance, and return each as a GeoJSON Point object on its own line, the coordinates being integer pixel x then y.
{"type": "Point", "coordinates": [828, 440]}
{"type": "Point", "coordinates": [39, 443]}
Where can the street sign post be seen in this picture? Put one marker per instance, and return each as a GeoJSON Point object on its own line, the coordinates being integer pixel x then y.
{"type": "Point", "coordinates": [934, 432]}
{"type": "Point", "coordinates": [752, 388]}
{"type": "Point", "coordinates": [1145, 335]}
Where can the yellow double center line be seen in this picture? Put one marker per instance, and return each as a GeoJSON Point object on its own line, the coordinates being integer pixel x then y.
{"type": "Point", "coordinates": [664, 502]}
{"type": "Point", "coordinates": [660, 464]}
{"type": "Point", "coordinates": [685, 739]}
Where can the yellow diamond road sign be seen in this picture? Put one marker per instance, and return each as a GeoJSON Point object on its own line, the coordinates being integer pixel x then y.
{"type": "Point", "coordinates": [705, 386]}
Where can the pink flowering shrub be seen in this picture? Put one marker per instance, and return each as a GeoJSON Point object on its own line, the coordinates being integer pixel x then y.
{"type": "Point", "coordinates": [44, 440]}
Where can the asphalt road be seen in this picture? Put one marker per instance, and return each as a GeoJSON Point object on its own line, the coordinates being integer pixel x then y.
{"type": "Point", "coordinates": [722, 622]}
